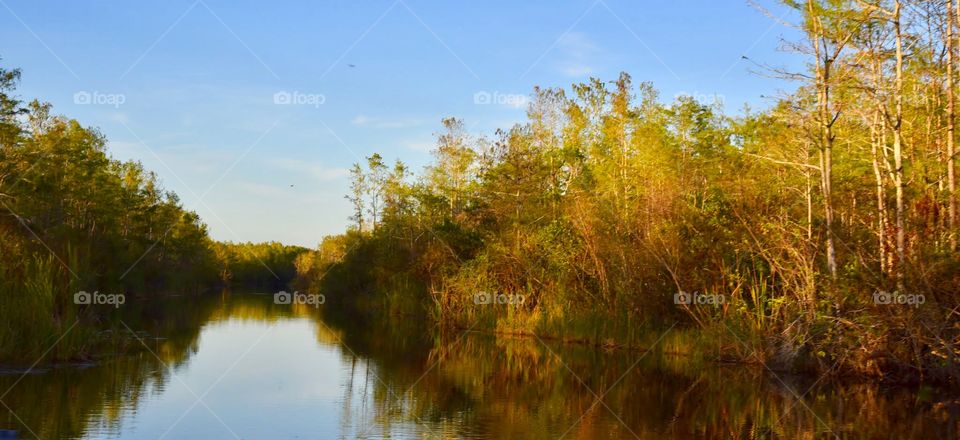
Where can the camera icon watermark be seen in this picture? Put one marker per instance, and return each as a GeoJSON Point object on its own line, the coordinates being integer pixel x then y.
{"type": "Point", "coordinates": [297, 298]}
{"type": "Point", "coordinates": [483, 298]}
{"type": "Point", "coordinates": [702, 98]}
{"type": "Point", "coordinates": [96, 298]}
{"type": "Point", "coordinates": [515, 100]}
{"type": "Point", "coordinates": [84, 97]}
{"type": "Point", "coordinates": [284, 97]}
{"type": "Point", "coordinates": [882, 297]}
{"type": "Point", "coordinates": [698, 299]}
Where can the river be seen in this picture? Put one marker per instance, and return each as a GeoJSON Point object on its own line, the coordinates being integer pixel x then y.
{"type": "Point", "coordinates": [238, 366]}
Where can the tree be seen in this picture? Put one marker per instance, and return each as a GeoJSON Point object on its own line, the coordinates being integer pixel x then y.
{"type": "Point", "coordinates": [358, 189]}
{"type": "Point", "coordinates": [376, 180]}
{"type": "Point", "coordinates": [829, 31]}
{"type": "Point", "coordinates": [452, 173]}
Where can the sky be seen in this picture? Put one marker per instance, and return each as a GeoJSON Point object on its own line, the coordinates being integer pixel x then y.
{"type": "Point", "coordinates": [252, 112]}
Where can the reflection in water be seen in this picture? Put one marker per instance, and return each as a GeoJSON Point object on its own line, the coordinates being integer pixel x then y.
{"type": "Point", "coordinates": [238, 366]}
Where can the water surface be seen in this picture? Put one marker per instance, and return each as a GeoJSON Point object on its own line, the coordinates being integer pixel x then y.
{"type": "Point", "coordinates": [237, 366]}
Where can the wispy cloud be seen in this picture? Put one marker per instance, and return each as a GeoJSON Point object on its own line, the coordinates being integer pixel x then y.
{"type": "Point", "coordinates": [422, 146]}
{"type": "Point", "coordinates": [577, 70]}
{"type": "Point", "coordinates": [195, 158]}
{"type": "Point", "coordinates": [259, 189]}
{"type": "Point", "coordinates": [120, 117]}
{"type": "Point", "coordinates": [579, 54]}
{"type": "Point", "coordinates": [316, 170]}
{"type": "Point", "coordinates": [377, 122]}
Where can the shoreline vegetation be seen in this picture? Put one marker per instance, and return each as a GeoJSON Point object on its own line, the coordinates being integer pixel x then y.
{"type": "Point", "coordinates": [73, 221]}
{"type": "Point", "coordinates": [589, 228]}
{"type": "Point", "coordinates": [816, 236]}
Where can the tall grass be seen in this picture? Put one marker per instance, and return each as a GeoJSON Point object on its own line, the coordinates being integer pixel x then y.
{"type": "Point", "coordinates": [37, 315]}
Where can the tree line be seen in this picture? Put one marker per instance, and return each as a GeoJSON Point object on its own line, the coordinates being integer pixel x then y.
{"type": "Point", "coordinates": [827, 223]}
{"type": "Point", "coordinates": [74, 219]}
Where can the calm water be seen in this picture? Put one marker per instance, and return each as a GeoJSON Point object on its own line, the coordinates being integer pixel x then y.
{"type": "Point", "coordinates": [238, 366]}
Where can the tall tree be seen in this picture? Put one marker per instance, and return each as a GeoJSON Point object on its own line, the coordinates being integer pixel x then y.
{"type": "Point", "coordinates": [358, 189]}
{"type": "Point", "coordinates": [829, 26]}
{"type": "Point", "coordinates": [951, 44]}
{"type": "Point", "coordinates": [376, 180]}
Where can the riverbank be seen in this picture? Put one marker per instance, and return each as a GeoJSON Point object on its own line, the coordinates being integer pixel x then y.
{"type": "Point", "coordinates": [843, 347]}
{"type": "Point", "coordinates": [690, 343]}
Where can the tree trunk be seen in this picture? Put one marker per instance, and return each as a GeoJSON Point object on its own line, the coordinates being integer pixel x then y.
{"type": "Point", "coordinates": [898, 147]}
{"type": "Point", "coordinates": [825, 122]}
{"type": "Point", "coordinates": [875, 140]}
{"type": "Point", "coordinates": [951, 117]}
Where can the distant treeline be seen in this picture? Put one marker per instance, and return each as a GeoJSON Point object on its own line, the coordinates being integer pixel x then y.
{"type": "Point", "coordinates": [74, 219]}
{"type": "Point", "coordinates": [270, 264]}
{"type": "Point", "coordinates": [818, 235]}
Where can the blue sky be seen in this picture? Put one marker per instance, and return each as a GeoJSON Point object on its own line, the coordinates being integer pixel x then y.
{"type": "Point", "coordinates": [190, 88]}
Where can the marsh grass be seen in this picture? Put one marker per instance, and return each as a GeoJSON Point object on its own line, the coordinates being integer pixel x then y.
{"type": "Point", "coordinates": [39, 318]}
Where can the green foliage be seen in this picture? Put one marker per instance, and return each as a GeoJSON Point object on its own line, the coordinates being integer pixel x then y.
{"type": "Point", "coordinates": [607, 203]}
{"type": "Point", "coordinates": [260, 264]}
{"type": "Point", "coordinates": [72, 218]}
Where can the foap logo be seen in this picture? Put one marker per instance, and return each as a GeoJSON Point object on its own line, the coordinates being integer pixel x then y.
{"type": "Point", "coordinates": [84, 97]}
{"type": "Point", "coordinates": [308, 299]}
{"type": "Point", "coordinates": [702, 98]}
{"type": "Point", "coordinates": [514, 100]}
{"type": "Point", "coordinates": [284, 97]}
{"type": "Point", "coordinates": [882, 297]}
{"type": "Point", "coordinates": [697, 299]}
{"type": "Point", "coordinates": [483, 298]}
{"type": "Point", "coordinates": [96, 298]}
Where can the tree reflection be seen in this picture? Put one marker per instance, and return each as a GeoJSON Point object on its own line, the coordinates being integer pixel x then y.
{"type": "Point", "coordinates": [476, 385]}
{"type": "Point", "coordinates": [404, 378]}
